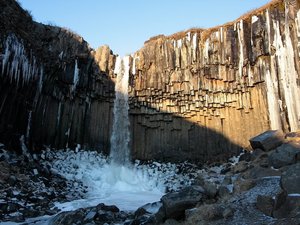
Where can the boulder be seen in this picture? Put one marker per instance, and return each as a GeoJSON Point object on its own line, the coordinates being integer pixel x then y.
{"type": "Point", "coordinates": [225, 191]}
{"type": "Point", "coordinates": [259, 172]}
{"type": "Point", "coordinates": [268, 204]}
{"type": "Point", "coordinates": [149, 208]}
{"type": "Point", "coordinates": [268, 140]}
{"type": "Point", "coordinates": [208, 212]}
{"type": "Point", "coordinates": [265, 204]}
{"type": "Point", "coordinates": [210, 188]}
{"type": "Point", "coordinates": [290, 179]}
{"type": "Point", "coordinates": [290, 208]}
{"type": "Point", "coordinates": [99, 214]}
{"type": "Point", "coordinates": [284, 155]}
{"type": "Point", "coordinates": [240, 167]}
{"type": "Point", "coordinates": [241, 185]}
{"type": "Point", "coordinates": [176, 203]}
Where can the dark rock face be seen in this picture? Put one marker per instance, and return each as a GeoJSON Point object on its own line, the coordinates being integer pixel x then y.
{"type": "Point", "coordinates": [101, 214]}
{"type": "Point", "coordinates": [290, 179]}
{"type": "Point", "coordinates": [66, 97]}
{"type": "Point", "coordinates": [267, 140]}
{"type": "Point", "coordinates": [284, 155]}
{"type": "Point", "coordinates": [175, 204]}
{"type": "Point", "coordinates": [197, 95]}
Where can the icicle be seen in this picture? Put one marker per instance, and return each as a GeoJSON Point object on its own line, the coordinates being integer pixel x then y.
{"type": "Point", "coordinates": [188, 36]}
{"type": "Point", "coordinates": [41, 79]}
{"type": "Point", "coordinates": [134, 64]}
{"type": "Point", "coordinates": [76, 76]}
{"type": "Point", "coordinates": [287, 73]}
{"type": "Point", "coordinates": [61, 55]}
{"type": "Point", "coordinates": [206, 49]}
{"type": "Point", "coordinates": [194, 41]}
{"type": "Point", "coordinates": [179, 43]}
{"type": "Point", "coordinates": [28, 126]}
{"type": "Point", "coordinates": [273, 107]}
{"type": "Point", "coordinates": [19, 67]}
{"type": "Point", "coordinates": [221, 34]}
{"type": "Point", "coordinates": [58, 114]}
{"type": "Point", "coordinates": [298, 30]}
{"type": "Point", "coordinates": [174, 44]}
{"type": "Point", "coordinates": [241, 47]}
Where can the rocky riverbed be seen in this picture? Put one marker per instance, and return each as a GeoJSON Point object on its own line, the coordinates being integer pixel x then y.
{"type": "Point", "coordinates": [261, 186]}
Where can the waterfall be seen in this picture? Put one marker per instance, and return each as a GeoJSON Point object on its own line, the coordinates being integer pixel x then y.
{"type": "Point", "coordinates": [119, 152]}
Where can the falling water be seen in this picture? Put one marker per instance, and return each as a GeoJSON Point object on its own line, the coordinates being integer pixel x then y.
{"type": "Point", "coordinates": [119, 151]}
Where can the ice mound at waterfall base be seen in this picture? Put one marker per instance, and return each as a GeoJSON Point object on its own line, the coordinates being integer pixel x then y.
{"type": "Point", "coordinates": [127, 187]}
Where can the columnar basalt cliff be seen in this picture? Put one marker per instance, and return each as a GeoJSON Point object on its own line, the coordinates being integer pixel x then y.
{"type": "Point", "coordinates": [198, 94]}
{"type": "Point", "coordinates": [232, 81]}
{"type": "Point", "coordinates": [54, 88]}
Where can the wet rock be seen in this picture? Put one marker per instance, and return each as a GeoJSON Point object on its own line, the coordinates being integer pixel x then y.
{"type": "Point", "coordinates": [267, 140]}
{"type": "Point", "coordinates": [256, 153]}
{"type": "Point", "coordinates": [240, 167]}
{"type": "Point", "coordinates": [228, 212]}
{"type": "Point", "coordinates": [284, 155]}
{"type": "Point", "coordinates": [100, 214]}
{"type": "Point", "coordinates": [171, 222]}
{"type": "Point", "coordinates": [290, 208]}
{"type": "Point", "coordinates": [210, 188]}
{"type": "Point", "coordinates": [150, 208]}
{"type": "Point", "coordinates": [288, 221]}
{"type": "Point", "coordinates": [247, 156]}
{"type": "Point", "coordinates": [290, 179]}
{"type": "Point", "coordinates": [241, 185]}
{"type": "Point", "coordinates": [260, 172]}
{"type": "Point", "coordinates": [208, 213]}
{"type": "Point", "coordinates": [110, 208]}
{"type": "Point", "coordinates": [174, 204]}
{"type": "Point", "coordinates": [265, 204]}
{"type": "Point", "coordinates": [68, 218]}
{"type": "Point", "coordinates": [225, 191]}
{"type": "Point", "coordinates": [9, 207]}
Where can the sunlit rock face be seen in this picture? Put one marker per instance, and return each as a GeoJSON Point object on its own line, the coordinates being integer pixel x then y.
{"type": "Point", "coordinates": [205, 92]}
{"type": "Point", "coordinates": [198, 94]}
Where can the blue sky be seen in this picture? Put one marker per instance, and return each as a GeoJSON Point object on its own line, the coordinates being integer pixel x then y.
{"type": "Point", "coordinates": [125, 25]}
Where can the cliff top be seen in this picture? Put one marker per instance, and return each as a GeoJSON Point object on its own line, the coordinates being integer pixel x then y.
{"type": "Point", "coordinates": [206, 32]}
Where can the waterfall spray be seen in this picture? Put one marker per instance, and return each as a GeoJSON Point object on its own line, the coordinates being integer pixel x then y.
{"type": "Point", "coordinates": [119, 152]}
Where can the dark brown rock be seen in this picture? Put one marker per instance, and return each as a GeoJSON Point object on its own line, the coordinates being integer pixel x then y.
{"type": "Point", "coordinates": [175, 204]}
{"type": "Point", "coordinates": [241, 185]}
{"type": "Point", "coordinates": [290, 179]}
{"type": "Point", "coordinates": [284, 155]}
{"type": "Point", "coordinates": [267, 140]}
{"type": "Point", "coordinates": [265, 204]}
{"type": "Point", "coordinates": [290, 208]}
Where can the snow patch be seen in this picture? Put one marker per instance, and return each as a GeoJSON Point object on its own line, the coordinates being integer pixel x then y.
{"type": "Point", "coordinates": [254, 19]}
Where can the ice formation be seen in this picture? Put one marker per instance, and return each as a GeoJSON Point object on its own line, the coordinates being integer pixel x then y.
{"type": "Point", "coordinates": [75, 76]}
{"type": "Point", "coordinates": [15, 63]}
{"type": "Point", "coordinates": [126, 187]}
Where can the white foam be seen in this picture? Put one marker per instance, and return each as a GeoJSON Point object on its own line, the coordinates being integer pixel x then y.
{"type": "Point", "coordinates": [126, 187]}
